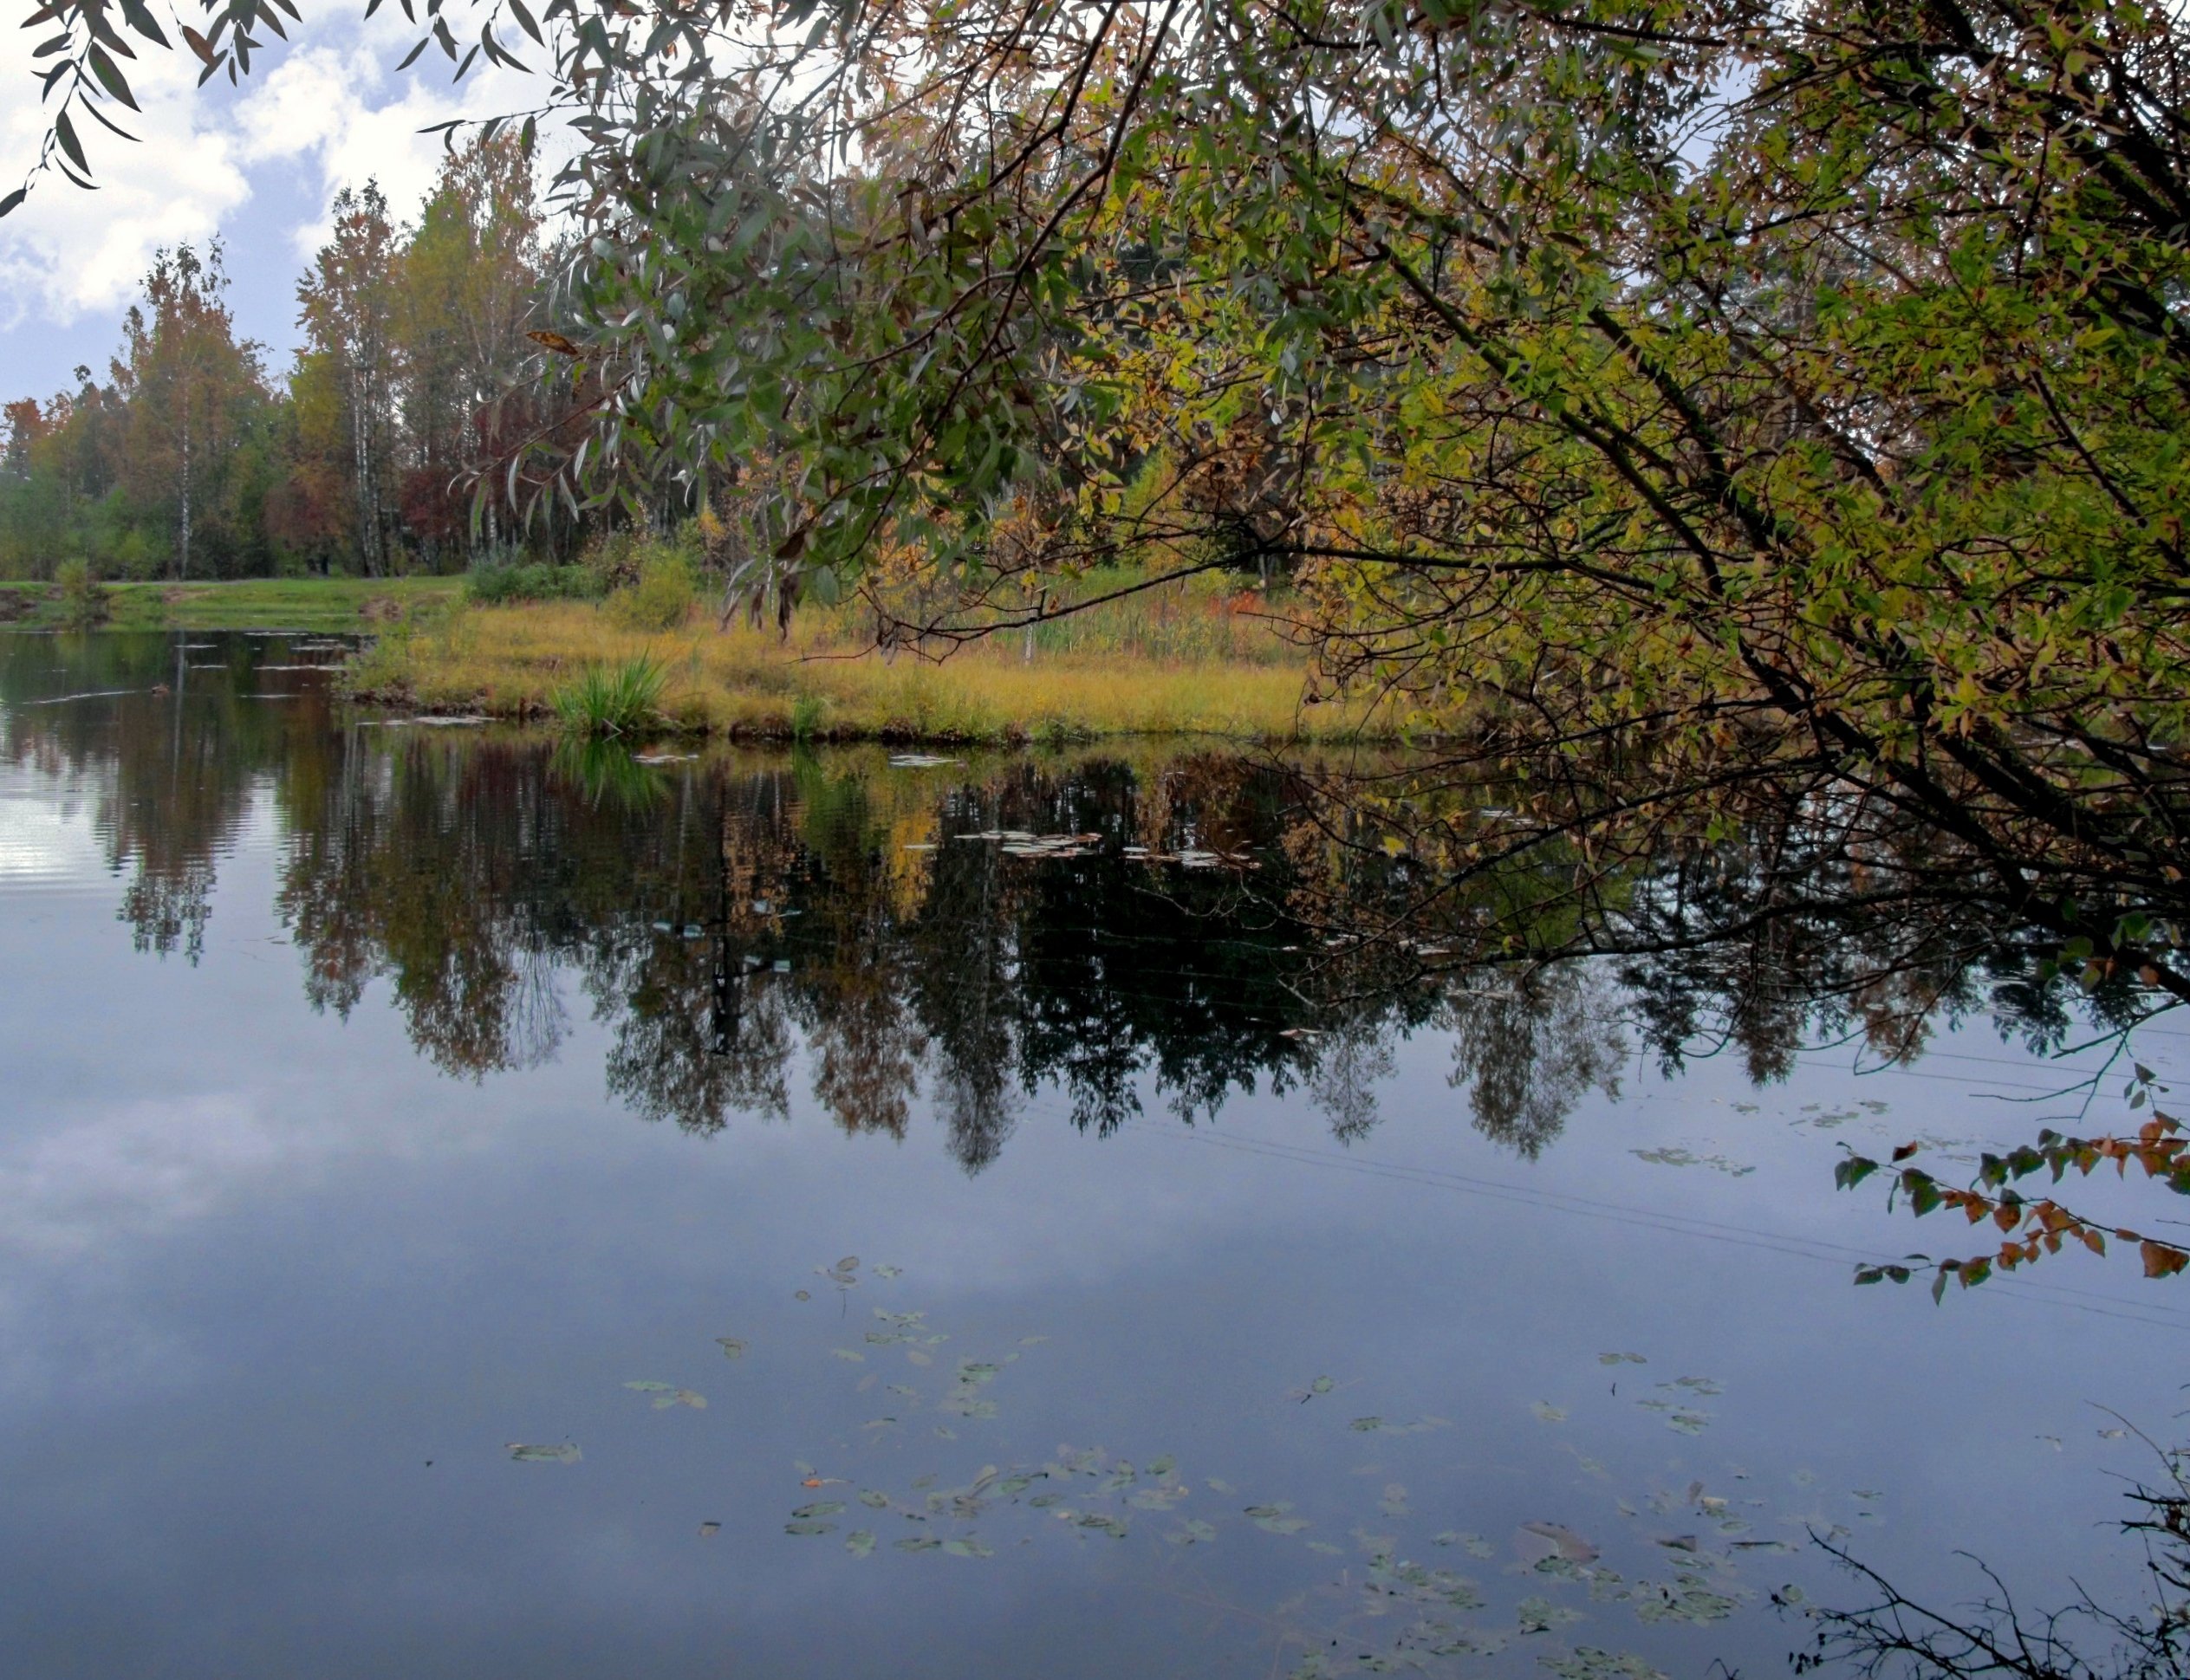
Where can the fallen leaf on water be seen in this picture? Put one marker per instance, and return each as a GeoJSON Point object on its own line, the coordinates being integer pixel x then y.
{"type": "Point", "coordinates": [809, 1528]}
{"type": "Point", "coordinates": [1548, 1412]}
{"type": "Point", "coordinates": [1621, 1358]}
{"type": "Point", "coordinates": [651, 1388]}
{"type": "Point", "coordinates": [563, 1453]}
{"type": "Point", "coordinates": [732, 1348]}
{"type": "Point", "coordinates": [680, 1397]}
{"type": "Point", "coordinates": [820, 1508]}
{"type": "Point", "coordinates": [709, 1530]}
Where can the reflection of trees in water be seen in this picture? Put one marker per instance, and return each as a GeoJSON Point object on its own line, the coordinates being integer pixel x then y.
{"type": "Point", "coordinates": [167, 757]}
{"type": "Point", "coordinates": [725, 916]}
{"type": "Point", "coordinates": [1530, 1045]}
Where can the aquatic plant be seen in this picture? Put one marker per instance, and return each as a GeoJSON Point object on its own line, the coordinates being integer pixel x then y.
{"type": "Point", "coordinates": [614, 699]}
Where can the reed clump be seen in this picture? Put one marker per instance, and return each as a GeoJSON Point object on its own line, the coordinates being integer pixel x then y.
{"type": "Point", "coordinates": [620, 699]}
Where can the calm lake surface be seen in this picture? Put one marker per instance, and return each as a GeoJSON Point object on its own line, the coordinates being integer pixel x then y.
{"type": "Point", "coordinates": [472, 1209]}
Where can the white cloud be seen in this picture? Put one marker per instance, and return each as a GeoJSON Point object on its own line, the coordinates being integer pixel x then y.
{"type": "Point", "coordinates": [66, 251]}
{"type": "Point", "coordinates": [329, 102]}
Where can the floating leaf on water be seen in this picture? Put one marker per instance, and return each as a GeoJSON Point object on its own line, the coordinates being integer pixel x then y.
{"type": "Point", "coordinates": [1162, 1464]}
{"type": "Point", "coordinates": [1621, 1358]}
{"type": "Point", "coordinates": [1688, 1422]}
{"type": "Point", "coordinates": [652, 1388]}
{"type": "Point", "coordinates": [565, 1452]}
{"type": "Point", "coordinates": [968, 1547]}
{"type": "Point", "coordinates": [858, 1542]}
{"type": "Point", "coordinates": [922, 1482]}
{"type": "Point", "coordinates": [1699, 1385]}
{"type": "Point", "coordinates": [919, 1543]}
{"type": "Point", "coordinates": [1394, 1501]}
{"type": "Point", "coordinates": [889, 1271]}
{"type": "Point", "coordinates": [2112, 1434]}
{"type": "Point", "coordinates": [709, 1530]}
{"type": "Point", "coordinates": [1548, 1412]}
{"type": "Point", "coordinates": [1193, 1532]}
{"type": "Point", "coordinates": [880, 1423]}
{"type": "Point", "coordinates": [1868, 1493]}
{"type": "Point", "coordinates": [849, 1263]}
{"type": "Point", "coordinates": [851, 1353]}
{"type": "Point", "coordinates": [1032, 1341]}
{"type": "Point", "coordinates": [918, 1357]}
{"type": "Point", "coordinates": [1587, 1663]}
{"type": "Point", "coordinates": [680, 1397]}
{"type": "Point", "coordinates": [1325, 1548]}
{"type": "Point", "coordinates": [1218, 1486]}
{"type": "Point", "coordinates": [947, 1433]}
{"type": "Point", "coordinates": [1678, 1542]}
{"type": "Point", "coordinates": [803, 1528]}
{"type": "Point", "coordinates": [1540, 1615]}
{"type": "Point", "coordinates": [874, 1501]}
{"type": "Point", "coordinates": [1803, 1478]}
{"type": "Point", "coordinates": [801, 1295]}
{"type": "Point", "coordinates": [732, 1348]}
{"type": "Point", "coordinates": [1366, 1425]}
{"type": "Point", "coordinates": [1104, 1523]}
{"type": "Point", "coordinates": [820, 1508]}
{"type": "Point", "coordinates": [1277, 1519]}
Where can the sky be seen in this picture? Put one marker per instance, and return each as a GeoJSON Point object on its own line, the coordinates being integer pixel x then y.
{"type": "Point", "coordinates": [258, 165]}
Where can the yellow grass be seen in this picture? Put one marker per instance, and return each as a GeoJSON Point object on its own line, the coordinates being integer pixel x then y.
{"type": "Point", "coordinates": [509, 660]}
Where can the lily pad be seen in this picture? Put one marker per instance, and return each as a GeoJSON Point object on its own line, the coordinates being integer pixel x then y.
{"type": "Point", "coordinates": [1193, 1532]}
{"type": "Point", "coordinates": [858, 1542]}
{"type": "Point", "coordinates": [731, 1346]}
{"type": "Point", "coordinates": [1540, 1615]}
{"type": "Point", "coordinates": [809, 1527]}
{"type": "Point", "coordinates": [1587, 1663]}
{"type": "Point", "coordinates": [1277, 1519]}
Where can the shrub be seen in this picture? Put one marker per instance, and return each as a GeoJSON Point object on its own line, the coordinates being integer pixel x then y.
{"type": "Point", "coordinates": [618, 699]}
{"type": "Point", "coordinates": [664, 596]}
{"type": "Point", "coordinates": [493, 586]}
{"type": "Point", "coordinates": [82, 601]}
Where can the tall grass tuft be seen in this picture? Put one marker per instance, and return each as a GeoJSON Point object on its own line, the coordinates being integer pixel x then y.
{"type": "Point", "coordinates": [618, 699]}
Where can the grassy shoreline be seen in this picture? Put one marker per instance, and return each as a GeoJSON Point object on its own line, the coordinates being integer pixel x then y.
{"type": "Point", "coordinates": [319, 604]}
{"type": "Point", "coordinates": [823, 684]}
{"type": "Point", "coordinates": [1174, 665]}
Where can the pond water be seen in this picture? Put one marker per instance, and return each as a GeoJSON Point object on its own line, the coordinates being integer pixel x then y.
{"type": "Point", "coordinates": [470, 1208]}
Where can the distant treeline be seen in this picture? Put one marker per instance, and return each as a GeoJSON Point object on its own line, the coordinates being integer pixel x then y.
{"type": "Point", "coordinates": [191, 460]}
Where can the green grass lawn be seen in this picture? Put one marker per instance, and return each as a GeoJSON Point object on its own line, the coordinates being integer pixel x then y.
{"type": "Point", "coordinates": [247, 604]}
